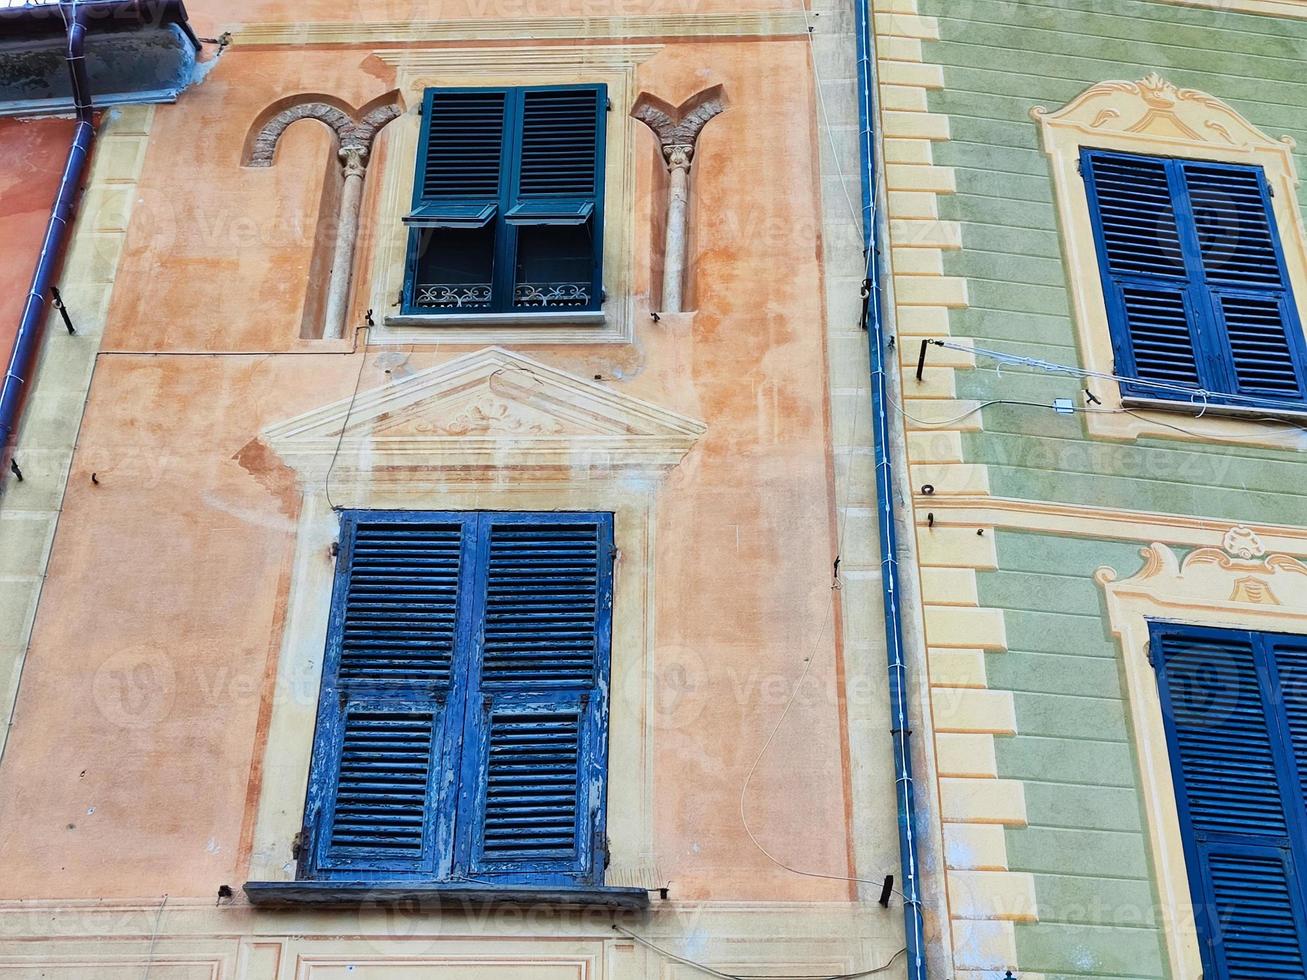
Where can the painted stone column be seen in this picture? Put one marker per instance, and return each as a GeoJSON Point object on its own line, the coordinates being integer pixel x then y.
{"type": "Point", "coordinates": [678, 198]}
{"type": "Point", "coordinates": [354, 159]}
{"type": "Point", "coordinates": [678, 129]}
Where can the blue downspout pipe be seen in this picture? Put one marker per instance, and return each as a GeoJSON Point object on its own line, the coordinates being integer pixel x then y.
{"type": "Point", "coordinates": [914, 925]}
{"type": "Point", "coordinates": [22, 359]}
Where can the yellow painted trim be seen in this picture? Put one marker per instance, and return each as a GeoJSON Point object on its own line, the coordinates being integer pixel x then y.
{"type": "Point", "coordinates": [1271, 8]}
{"type": "Point", "coordinates": [993, 895]}
{"type": "Point", "coordinates": [983, 801]}
{"type": "Point", "coordinates": [951, 667]}
{"type": "Point", "coordinates": [954, 516]}
{"type": "Point", "coordinates": [966, 754]}
{"type": "Point", "coordinates": [1154, 117]}
{"type": "Point", "coordinates": [975, 847]}
{"type": "Point", "coordinates": [974, 711]}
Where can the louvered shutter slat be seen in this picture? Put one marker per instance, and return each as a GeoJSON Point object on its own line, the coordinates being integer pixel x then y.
{"type": "Point", "coordinates": [1234, 232]}
{"type": "Point", "coordinates": [382, 787]}
{"type": "Point", "coordinates": [385, 695]}
{"type": "Point", "coordinates": [1224, 732]}
{"type": "Point", "coordinates": [1223, 736]}
{"type": "Point", "coordinates": [534, 783]}
{"type": "Point", "coordinates": [543, 656]}
{"type": "Point", "coordinates": [1137, 217]}
{"type": "Point", "coordinates": [1161, 339]}
{"type": "Point", "coordinates": [1254, 897]}
{"type": "Point", "coordinates": [465, 138]}
{"type": "Point", "coordinates": [559, 135]}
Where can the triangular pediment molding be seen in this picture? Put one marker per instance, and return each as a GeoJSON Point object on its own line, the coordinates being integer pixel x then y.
{"type": "Point", "coordinates": [478, 416]}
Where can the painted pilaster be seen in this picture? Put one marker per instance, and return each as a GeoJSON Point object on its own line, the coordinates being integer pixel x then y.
{"type": "Point", "coordinates": [29, 510]}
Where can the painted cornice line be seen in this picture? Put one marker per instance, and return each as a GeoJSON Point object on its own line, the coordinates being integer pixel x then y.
{"type": "Point", "coordinates": [1098, 522]}
{"type": "Point", "coordinates": [1271, 8]}
{"type": "Point", "coordinates": [780, 24]}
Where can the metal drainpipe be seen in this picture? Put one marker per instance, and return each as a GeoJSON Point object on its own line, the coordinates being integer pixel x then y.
{"type": "Point", "coordinates": [22, 359]}
{"type": "Point", "coordinates": [914, 926]}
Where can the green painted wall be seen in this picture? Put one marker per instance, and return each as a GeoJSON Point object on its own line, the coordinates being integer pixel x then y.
{"type": "Point", "coordinates": [1011, 254]}
{"type": "Point", "coordinates": [1085, 842]}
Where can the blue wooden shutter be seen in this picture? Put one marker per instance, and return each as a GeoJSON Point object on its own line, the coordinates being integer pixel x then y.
{"type": "Point", "coordinates": [377, 794]}
{"type": "Point", "coordinates": [535, 760]}
{"type": "Point", "coordinates": [1239, 250]}
{"type": "Point", "coordinates": [1195, 284]}
{"type": "Point", "coordinates": [1144, 273]}
{"type": "Point", "coordinates": [1233, 779]}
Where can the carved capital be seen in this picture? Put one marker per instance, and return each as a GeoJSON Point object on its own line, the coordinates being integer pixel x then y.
{"type": "Point", "coordinates": [354, 159]}
{"type": "Point", "coordinates": [678, 156]}
{"type": "Point", "coordinates": [678, 127]}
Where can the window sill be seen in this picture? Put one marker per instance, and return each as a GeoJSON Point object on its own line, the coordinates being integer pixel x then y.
{"type": "Point", "coordinates": [301, 894]}
{"type": "Point", "coordinates": [1192, 409]}
{"type": "Point", "coordinates": [591, 318]}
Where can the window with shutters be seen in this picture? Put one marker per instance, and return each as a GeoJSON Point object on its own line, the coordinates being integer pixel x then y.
{"type": "Point", "coordinates": [462, 726]}
{"type": "Point", "coordinates": [1234, 705]}
{"type": "Point", "coordinates": [508, 201]}
{"type": "Point", "coordinates": [1196, 287]}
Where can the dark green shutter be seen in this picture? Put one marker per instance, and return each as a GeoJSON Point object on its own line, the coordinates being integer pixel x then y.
{"type": "Point", "coordinates": [1238, 799]}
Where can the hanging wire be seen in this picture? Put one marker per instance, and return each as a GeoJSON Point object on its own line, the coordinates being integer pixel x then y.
{"type": "Point", "coordinates": [1189, 393]}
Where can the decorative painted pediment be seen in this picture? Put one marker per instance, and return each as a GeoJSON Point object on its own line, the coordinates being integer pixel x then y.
{"type": "Point", "coordinates": [1157, 110]}
{"type": "Point", "coordinates": [477, 417]}
{"type": "Point", "coordinates": [1235, 577]}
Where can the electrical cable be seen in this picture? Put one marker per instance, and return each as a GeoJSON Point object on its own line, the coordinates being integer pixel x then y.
{"type": "Point", "coordinates": [1052, 367]}
{"type": "Point", "coordinates": [154, 938]}
{"type": "Point", "coordinates": [340, 439]}
{"type": "Point", "coordinates": [704, 968]}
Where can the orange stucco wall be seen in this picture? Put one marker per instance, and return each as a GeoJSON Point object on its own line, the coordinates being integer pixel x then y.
{"type": "Point", "coordinates": [132, 768]}
{"type": "Point", "coordinates": [34, 152]}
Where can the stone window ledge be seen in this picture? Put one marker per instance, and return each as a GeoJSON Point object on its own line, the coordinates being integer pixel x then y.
{"type": "Point", "coordinates": [1297, 415]}
{"type": "Point", "coordinates": [437, 895]}
{"type": "Point", "coordinates": [594, 318]}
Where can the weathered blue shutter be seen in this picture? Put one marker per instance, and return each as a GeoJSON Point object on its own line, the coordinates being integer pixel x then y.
{"type": "Point", "coordinates": [378, 785]}
{"type": "Point", "coordinates": [1242, 263]}
{"type": "Point", "coordinates": [1195, 284]}
{"type": "Point", "coordinates": [536, 749]}
{"type": "Point", "coordinates": [1233, 779]}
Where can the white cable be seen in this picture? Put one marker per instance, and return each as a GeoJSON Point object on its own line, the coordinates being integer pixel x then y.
{"type": "Point", "coordinates": [1053, 367]}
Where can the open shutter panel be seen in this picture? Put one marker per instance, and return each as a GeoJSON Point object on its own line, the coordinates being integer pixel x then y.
{"type": "Point", "coordinates": [383, 704]}
{"type": "Point", "coordinates": [1140, 240]}
{"type": "Point", "coordinates": [1225, 761]}
{"type": "Point", "coordinates": [543, 683]}
{"type": "Point", "coordinates": [1238, 246]}
{"type": "Point", "coordinates": [464, 144]}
